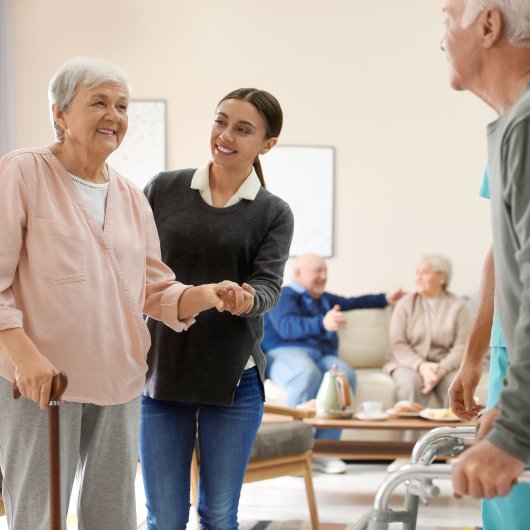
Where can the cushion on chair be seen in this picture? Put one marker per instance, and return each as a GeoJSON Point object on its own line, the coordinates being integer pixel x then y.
{"type": "Point", "coordinates": [282, 438]}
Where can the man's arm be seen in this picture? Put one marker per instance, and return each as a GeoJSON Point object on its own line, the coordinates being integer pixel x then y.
{"type": "Point", "coordinates": [490, 468]}
{"type": "Point", "coordinates": [462, 390]}
{"type": "Point", "coordinates": [290, 323]}
{"type": "Point", "coordinates": [511, 432]}
{"type": "Point", "coordinates": [369, 301]}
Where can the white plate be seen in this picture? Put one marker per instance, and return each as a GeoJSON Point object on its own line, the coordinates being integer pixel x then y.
{"type": "Point", "coordinates": [372, 417]}
{"type": "Point", "coordinates": [392, 412]}
{"type": "Point", "coordinates": [427, 414]}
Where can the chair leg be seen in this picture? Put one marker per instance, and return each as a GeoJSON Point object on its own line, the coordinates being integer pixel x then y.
{"type": "Point", "coordinates": [308, 478]}
{"type": "Point", "coordinates": [194, 485]}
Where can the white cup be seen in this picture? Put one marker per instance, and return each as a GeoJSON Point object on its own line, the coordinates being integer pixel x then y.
{"type": "Point", "coordinates": [371, 408]}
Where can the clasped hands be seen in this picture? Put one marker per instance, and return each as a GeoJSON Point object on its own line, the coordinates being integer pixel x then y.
{"type": "Point", "coordinates": [234, 298]}
{"type": "Point", "coordinates": [431, 374]}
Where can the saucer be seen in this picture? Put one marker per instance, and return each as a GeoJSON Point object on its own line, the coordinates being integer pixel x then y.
{"type": "Point", "coordinates": [372, 417]}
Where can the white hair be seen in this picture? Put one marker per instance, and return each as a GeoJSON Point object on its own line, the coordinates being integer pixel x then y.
{"type": "Point", "coordinates": [77, 71]}
{"type": "Point", "coordinates": [439, 263]}
{"type": "Point", "coordinates": [515, 15]}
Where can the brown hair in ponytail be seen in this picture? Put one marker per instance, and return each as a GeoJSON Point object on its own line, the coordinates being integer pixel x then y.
{"type": "Point", "coordinates": [269, 108]}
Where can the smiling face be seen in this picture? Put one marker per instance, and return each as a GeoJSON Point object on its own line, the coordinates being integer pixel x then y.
{"type": "Point", "coordinates": [96, 120]}
{"type": "Point", "coordinates": [429, 282]}
{"type": "Point", "coordinates": [311, 273]}
{"type": "Point", "coordinates": [461, 45]}
{"type": "Point", "coordinates": [238, 135]}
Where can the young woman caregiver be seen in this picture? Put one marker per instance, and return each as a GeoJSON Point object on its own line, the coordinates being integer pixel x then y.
{"type": "Point", "coordinates": [214, 222]}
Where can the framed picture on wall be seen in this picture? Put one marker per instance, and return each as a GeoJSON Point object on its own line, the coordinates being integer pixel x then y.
{"type": "Point", "coordinates": [142, 153]}
{"type": "Point", "coordinates": [304, 177]}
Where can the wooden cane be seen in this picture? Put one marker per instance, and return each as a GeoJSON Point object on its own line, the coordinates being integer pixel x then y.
{"type": "Point", "coordinates": [59, 384]}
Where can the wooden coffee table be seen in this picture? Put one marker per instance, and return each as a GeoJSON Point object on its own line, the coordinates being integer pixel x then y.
{"type": "Point", "coordinates": [373, 449]}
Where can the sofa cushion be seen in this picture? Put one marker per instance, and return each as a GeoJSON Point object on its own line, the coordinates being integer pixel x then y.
{"type": "Point", "coordinates": [365, 343]}
{"type": "Point", "coordinates": [282, 438]}
{"type": "Point", "coordinates": [374, 385]}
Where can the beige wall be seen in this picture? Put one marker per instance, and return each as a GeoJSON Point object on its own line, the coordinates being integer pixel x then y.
{"type": "Point", "coordinates": [366, 77]}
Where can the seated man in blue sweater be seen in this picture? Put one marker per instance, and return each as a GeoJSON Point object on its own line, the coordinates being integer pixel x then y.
{"type": "Point", "coordinates": [301, 343]}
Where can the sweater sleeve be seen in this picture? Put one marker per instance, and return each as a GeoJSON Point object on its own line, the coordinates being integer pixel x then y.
{"type": "Point", "coordinates": [269, 263]}
{"type": "Point", "coordinates": [511, 431]}
{"type": "Point", "coordinates": [163, 292]}
{"type": "Point", "coordinates": [369, 301]}
{"type": "Point", "coordinates": [13, 220]}
{"type": "Point", "coordinates": [289, 324]}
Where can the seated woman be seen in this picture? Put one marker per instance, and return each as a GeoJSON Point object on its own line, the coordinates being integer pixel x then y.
{"type": "Point", "coordinates": [428, 332]}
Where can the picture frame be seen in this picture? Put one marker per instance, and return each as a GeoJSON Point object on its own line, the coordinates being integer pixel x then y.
{"type": "Point", "coordinates": [143, 152]}
{"type": "Point", "coordinates": [304, 177]}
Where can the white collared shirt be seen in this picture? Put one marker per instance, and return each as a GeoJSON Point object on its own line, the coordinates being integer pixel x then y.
{"type": "Point", "coordinates": [248, 190]}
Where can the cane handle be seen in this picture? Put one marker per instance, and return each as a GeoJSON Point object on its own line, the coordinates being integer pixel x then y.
{"type": "Point", "coordinates": [59, 384]}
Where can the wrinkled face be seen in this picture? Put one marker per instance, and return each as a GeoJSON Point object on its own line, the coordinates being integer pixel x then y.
{"type": "Point", "coordinates": [238, 135]}
{"type": "Point", "coordinates": [96, 120]}
{"type": "Point", "coordinates": [461, 45]}
{"type": "Point", "coordinates": [312, 274]}
{"type": "Point", "coordinates": [428, 281]}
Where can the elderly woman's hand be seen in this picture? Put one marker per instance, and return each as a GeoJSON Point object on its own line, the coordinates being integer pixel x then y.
{"type": "Point", "coordinates": [34, 378]}
{"type": "Point", "coordinates": [236, 299]}
{"type": "Point", "coordinates": [431, 374]}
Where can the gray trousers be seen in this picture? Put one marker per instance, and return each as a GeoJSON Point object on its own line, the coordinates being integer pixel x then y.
{"type": "Point", "coordinates": [100, 444]}
{"type": "Point", "coordinates": [409, 383]}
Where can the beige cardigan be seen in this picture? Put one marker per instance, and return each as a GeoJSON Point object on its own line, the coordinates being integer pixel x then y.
{"type": "Point", "coordinates": [413, 339]}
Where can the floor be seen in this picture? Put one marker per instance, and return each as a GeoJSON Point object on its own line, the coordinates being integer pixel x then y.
{"type": "Point", "coordinates": [341, 499]}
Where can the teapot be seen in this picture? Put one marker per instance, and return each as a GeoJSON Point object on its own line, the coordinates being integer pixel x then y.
{"type": "Point", "coordinates": [335, 397]}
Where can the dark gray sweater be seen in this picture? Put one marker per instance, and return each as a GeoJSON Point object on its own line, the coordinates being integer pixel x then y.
{"type": "Point", "coordinates": [247, 242]}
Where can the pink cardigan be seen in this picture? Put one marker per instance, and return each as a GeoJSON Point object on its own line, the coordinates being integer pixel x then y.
{"type": "Point", "coordinates": [79, 291]}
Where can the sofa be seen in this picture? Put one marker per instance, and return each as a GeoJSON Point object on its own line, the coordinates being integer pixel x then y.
{"type": "Point", "coordinates": [364, 344]}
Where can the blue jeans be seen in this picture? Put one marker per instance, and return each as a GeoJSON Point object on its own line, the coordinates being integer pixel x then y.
{"type": "Point", "coordinates": [300, 372]}
{"type": "Point", "coordinates": [168, 433]}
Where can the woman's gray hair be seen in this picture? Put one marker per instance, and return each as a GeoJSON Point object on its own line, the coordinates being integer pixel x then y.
{"type": "Point", "coordinates": [439, 263]}
{"type": "Point", "coordinates": [77, 71]}
{"type": "Point", "coordinates": [515, 14]}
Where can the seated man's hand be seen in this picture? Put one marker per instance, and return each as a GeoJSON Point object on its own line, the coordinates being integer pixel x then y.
{"type": "Point", "coordinates": [334, 320]}
{"type": "Point", "coordinates": [393, 296]}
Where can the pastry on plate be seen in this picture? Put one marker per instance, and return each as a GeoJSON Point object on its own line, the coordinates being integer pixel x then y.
{"type": "Point", "coordinates": [402, 407]}
{"type": "Point", "coordinates": [442, 414]}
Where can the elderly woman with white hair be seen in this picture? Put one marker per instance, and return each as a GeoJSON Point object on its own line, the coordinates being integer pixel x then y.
{"type": "Point", "coordinates": [428, 332]}
{"type": "Point", "coordinates": [80, 265]}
